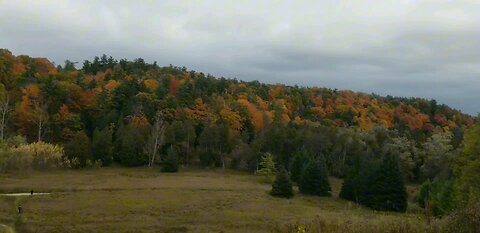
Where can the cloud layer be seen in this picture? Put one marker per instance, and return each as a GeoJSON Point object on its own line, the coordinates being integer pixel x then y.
{"type": "Point", "coordinates": [416, 48]}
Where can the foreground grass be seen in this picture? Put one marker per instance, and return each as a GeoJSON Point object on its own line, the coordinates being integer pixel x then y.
{"type": "Point", "coordinates": [145, 200]}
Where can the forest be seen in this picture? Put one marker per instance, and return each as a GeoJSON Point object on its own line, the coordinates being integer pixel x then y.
{"type": "Point", "coordinates": [108, 112]}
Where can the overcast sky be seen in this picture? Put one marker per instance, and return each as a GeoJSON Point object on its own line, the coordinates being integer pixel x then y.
{"type": "Point", "coordinates": [428, 49]}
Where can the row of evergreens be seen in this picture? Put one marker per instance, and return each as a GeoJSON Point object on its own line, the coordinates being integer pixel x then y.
{"type": "Point", "coordinates": [379, 186]}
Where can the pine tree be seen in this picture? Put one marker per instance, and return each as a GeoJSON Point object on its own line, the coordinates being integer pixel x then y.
{"type": "Point", "coordinates": [282, 186]}
{"type": "Point", "coordinates": [170, 164]}
{"type": "Point", "coordinates": [298, 164]}
{"type": "Point", "coordinates": [130, 144]}
{"type": "Point", "coordinates": [79, 149]}
{"type": "Point", "coordinates": [314, 179]}
{"type": "Point", "coordinates": [267, 165]}
{"type": "Point", "coordinates": [438, 194]}
{"type": "Point", "coordinates": [102, 146]}
{"type": "Point", "coordinates": [384, 188]}
{"type": "Point", "coordinates": [350, 188]}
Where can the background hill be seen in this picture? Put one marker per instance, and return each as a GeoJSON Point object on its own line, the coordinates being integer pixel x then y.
{"type": "Point", "coordinates": [211, 121]}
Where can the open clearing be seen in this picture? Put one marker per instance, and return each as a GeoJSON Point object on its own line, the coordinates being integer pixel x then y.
{"type": "Point", "coordinates": [145, 200]}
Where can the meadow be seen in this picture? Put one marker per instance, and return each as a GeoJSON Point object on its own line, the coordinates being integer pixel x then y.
{"type": "Point", "coordinates": [193, 200]}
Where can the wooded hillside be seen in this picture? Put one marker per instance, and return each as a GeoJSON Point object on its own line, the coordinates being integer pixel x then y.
{"type": "Point", "coordinates": [117, 105]}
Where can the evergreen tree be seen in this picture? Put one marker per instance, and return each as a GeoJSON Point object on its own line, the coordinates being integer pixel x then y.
{"type": "Point", "coordinates": [438, 194]}
{"type": "Point", "coordinates": [170, 164]}
{"type": "Point", "coordinates": [267, 165]}
{"type": "Point", "coordinates": [314, 179]}
{"type": "Point", "coordinates": [349, 190]}
{"type": "Point", "coordinates": [350, 187]}
{"type": "Point", "coordinates": [282, 186]}
{"type": "Point", "coordinates": [384, 189]}
{"type": "Point", "coordinates": [79, 149]}
{"type": "Point", "coordinates": [130, 145]}
{"type": "Point", "coordinates": [298, 164]}
{"type": "Point", "coordinates": [102, 146]}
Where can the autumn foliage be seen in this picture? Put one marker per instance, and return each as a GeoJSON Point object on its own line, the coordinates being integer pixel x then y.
{"type": "Point", "coordinates": [53, 103]}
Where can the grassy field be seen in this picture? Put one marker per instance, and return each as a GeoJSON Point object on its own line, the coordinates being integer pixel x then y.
{"type": "Point", "coordinates": [145, 200]}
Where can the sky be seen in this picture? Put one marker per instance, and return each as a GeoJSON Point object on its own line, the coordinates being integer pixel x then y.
{"type": "Point", "coordinates": [427, 49]}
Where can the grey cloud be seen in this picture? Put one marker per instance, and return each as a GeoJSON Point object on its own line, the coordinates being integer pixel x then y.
{"type": "Point", "coordinates": [404, 48]}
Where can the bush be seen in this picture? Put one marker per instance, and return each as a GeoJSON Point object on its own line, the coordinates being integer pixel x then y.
{"type": "Point", "coordinates": [282, 186]}
{"type": "Point", "coordinates": [364, 226]}
{"type": "Point", "coordinates": [241, 155]}
{"type": "Point", "coordinates": [210, 159]}
{"type": "Point", "coordinates": [16, 141]}
{"type": "Point", "coordinates": [39, 155]}
{"type": "Point", "coordinates": [14, 161]}
{"type": "Point", "coordinates": [314, 179]}
{"type": "Point", "coordinates": [170, 164]}
{"type": "Point", "coordinates": [464, 220]}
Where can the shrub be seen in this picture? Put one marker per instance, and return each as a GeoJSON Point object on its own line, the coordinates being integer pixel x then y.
{"type": "Point", "coordinates": [464, 220]}
{"type": "Point", "coordinates": [241, 155]}
{"type": "Point", "coordinates": [210, 159]}
{"type": "Point", "coordinates": [39, 155]}
{"type": "Point", "coordinates": [14, 161]}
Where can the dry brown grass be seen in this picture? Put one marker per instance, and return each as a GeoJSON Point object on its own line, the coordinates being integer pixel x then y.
{"type": "Point", "coordinates": [145, 200]}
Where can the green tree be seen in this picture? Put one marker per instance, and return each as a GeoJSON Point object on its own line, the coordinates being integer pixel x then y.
{"type": "Point", "coordinates": [408, 156]}
{"type": "Point", "coordinates": [314, 179]}
{"type": "Point", "coordinates": [282, 186]}
{"type": "Point", "coordinates": [183, 135]}
{"type": "Point", "coordinates": [437, 195]}
{"type": "Point", "coordinates": [130, 144]}
{"type": "Point", "coordinates": [438, 156]}
{"type": "Point", "coordinates": [79, 150]}
{"type": "Point", "coordinates": [467, 168]}
{"type": "Point", "coordinates": [215, 141]}
{"type": "Point", "coordinates": [102, 147]}
{"type": "Point", "coordinates": [170, 164]}
{"type": "Point", "coordinates": [267, 165]}
{"type": "Point", "coordinates": [351, 185]}
{"type": "Point", "coordinates": [384, 188]}
{"type": "Point", "coordinates": [299, 161]}
{"type": "Point", "coordinates": [69, 65]}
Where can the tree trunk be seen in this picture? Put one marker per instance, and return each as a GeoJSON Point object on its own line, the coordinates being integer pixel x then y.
{"type": "Point", "coordinates": [157, 138]}
{"type": "Point", "coordinates": [40, 125]}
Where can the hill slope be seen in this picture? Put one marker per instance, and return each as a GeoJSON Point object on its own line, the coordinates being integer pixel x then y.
{"type": "Point", "coordinates": [105, 90]}
{"type": "Point", "coordinates": [110, 111]}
